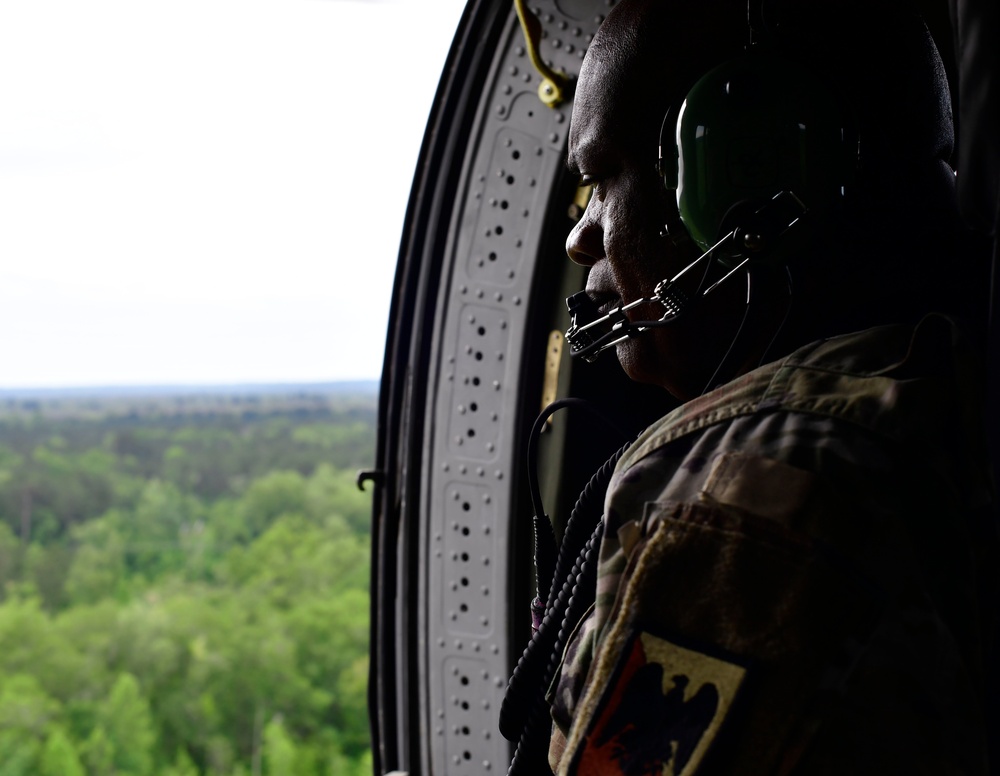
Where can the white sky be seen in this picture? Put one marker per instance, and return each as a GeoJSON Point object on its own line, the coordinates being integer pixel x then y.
{"type": "Point", "coordinates": [206, 191]}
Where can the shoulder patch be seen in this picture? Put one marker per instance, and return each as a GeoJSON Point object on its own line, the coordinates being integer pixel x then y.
{"type": "Point", "coordinates": [662, 710]}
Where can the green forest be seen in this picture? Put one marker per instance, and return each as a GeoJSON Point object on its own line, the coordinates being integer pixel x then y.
{"type": "Point", "coordinates": [184, 585]}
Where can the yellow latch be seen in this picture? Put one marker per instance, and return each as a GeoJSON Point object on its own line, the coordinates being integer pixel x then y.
{"type": "Point", "coordinates": [550, 379]}
{"type": "Point", "coordinates": [550, 90]}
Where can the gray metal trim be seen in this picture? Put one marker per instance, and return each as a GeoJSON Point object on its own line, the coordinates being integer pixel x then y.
{"type": "Point", "coordinates": [472, 423]}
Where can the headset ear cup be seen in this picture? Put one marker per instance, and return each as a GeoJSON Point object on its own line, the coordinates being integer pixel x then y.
{"type": "Point", "coordinates": [667, 164]}
{"type": "Point", "coordinates": [751, 128]}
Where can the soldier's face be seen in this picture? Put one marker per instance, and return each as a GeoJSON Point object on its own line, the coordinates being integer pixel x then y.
{"type": "Point", "coordinates": [612, 145]}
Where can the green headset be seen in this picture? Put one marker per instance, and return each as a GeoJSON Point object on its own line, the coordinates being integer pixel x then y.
{"type": "Point", "coordinates": [749, 129]}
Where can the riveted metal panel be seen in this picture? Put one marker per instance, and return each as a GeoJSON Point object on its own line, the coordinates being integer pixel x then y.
{"type": "Point", "coordinates": [515, 157]}
{"type": "Point", "coordinates": [474, 377]}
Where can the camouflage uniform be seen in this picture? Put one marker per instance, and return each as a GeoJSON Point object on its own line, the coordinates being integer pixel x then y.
{"type": "Point", "coordinates": [793, 575]}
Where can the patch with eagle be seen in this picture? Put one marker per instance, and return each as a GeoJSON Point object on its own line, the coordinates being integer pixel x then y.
{"type": "Point", "coordinates": [661, 712]}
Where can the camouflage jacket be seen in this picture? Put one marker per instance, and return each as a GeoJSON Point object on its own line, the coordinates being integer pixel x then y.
{"type": "Point", "coordinates": [796, 575]}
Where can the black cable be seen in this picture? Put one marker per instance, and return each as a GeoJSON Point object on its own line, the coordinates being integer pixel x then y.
{"type": "Point", "coordinates": [531, 675]}
{"type": "Point", "coordinates": [732, 344]}
{"type": "Point", "coordinates": [784, 319]}
{"type": "Point", "coordinates": [531, 755]}
{"type": "Point", "coordinates": [545, 543]}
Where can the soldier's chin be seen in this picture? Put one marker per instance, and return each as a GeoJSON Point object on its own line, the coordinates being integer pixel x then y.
{"type": "Point", "coordinates": [643, 362]}
{"type": "Point", "coordinates": [638, 360]}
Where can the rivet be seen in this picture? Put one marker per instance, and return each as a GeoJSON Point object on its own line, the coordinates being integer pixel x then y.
{"type": "Point", "coordinates": [513, 70]}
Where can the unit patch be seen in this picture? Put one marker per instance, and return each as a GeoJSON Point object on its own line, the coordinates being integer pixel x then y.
{"type": "Point", "coordinates": [661, 712]}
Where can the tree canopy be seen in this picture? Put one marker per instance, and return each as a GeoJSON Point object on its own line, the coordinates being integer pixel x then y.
{"type": "Point", "coordinates": [184, 587]}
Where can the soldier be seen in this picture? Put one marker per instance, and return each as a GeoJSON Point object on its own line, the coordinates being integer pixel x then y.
{"type": "Point", "coordinates": [795, 570]}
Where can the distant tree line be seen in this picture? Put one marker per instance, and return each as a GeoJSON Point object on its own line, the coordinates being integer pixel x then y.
{"type": "Point", "coordinates": [184, 591]}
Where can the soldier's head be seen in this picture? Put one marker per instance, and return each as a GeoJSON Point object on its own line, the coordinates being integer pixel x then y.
{"type": "Point", "coordinates": [878, 65]}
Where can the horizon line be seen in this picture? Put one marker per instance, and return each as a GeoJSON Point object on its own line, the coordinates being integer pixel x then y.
{"type": "Point", "coordinates": [365, 384]}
